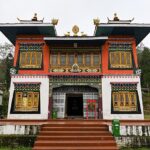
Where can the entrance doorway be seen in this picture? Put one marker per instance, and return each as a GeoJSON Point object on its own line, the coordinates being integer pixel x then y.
{"type": "Point", "coordinates": [74, 105]}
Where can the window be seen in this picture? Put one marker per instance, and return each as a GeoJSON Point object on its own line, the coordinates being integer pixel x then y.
{"type": "Point", "coordinates": [63, 59]}
{"type": "Point", "coordinates": [124, 101]}
{"type": "Point", "coordinates": [87, 60]}
{"type": "Point", "coordinates": [30, 56]}
{"type": "Point", "coordinates": [120, 59]}
{"type": "Point", "coordinates": [96, 60]}
{"type": "Point", "coordinates": [71, 60]}
{"type": "Point", "coordinates": [124, 98]}
{"type": "Point", "coordinates": [26, 101]}
{"type": "Point", "coordinates": [80, 59]}
{"type": "Point", "coordinates": [26, 98]}
{"type": "Point", "coordinates": [120, 55]}
{"type": "Point", "coordinates": [54, 59]}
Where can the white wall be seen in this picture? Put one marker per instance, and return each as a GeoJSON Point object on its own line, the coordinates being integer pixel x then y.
{"type": "Point", "coordinates": [44, 96]}
{"type": "Point", "coordinates": [106, 96]}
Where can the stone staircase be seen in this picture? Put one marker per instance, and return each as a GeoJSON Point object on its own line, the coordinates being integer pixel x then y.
{"type": "Point", "coordinates": [75, 135]}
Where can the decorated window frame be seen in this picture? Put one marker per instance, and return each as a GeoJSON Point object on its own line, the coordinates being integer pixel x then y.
{"type": "Point", "coordinates": [120, 55]}
{"type": "Point", "coordinates": [30, 56]}
{"type": "Point", "coordinates": [26, 98]}
{"type": "Point", "coordinates": [125, 99]}
{"type": "Point", "coordinates": [72, 57]}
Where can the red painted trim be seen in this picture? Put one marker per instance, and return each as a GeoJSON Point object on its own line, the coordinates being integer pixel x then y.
{"type": "Point", "coordinates": [27, 82]}
{"type": "Point", "coordinates": [74, 74]}
{"type": "Point", "coordinates": [16, 55]}
{"type": "Point", "coordinates": [124, 82]}
{"type": "Point", "coordinates": [135, 54]}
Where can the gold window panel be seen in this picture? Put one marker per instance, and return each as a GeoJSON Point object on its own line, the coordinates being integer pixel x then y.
{"type": "Point", "coordinates": [27, 101]}
{"type": "Point", "coordinates": [30, 59]}
{"type": "Point", "coordinates": [120, 59]}
{"type": "Point", "coordinates": [69, 58]}
{"type": "Point", "coordinates": [124, 101]}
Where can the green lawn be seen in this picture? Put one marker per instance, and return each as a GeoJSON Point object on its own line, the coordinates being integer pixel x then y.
{"type": "Point", "coordinates": [146, 103]}
{"type": "Point", "coordinates": [144, 148]}
{"type": "Point", "coordinates": [147, 117]}
{"type": "Point", "coordinates": [25, 148]}
{"type": "Point", "coordinates": [19, 148]}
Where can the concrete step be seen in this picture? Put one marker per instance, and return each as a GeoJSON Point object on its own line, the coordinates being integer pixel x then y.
{"type": "Point", "coordinates": [105, 128]}
{"type": "Point", "coordinates": [76, 148]}
{"type": "Point", "coordinates": [75, 133]}
{"type": "Point", "coordinates": [78, 143]}
{"type": "Point", "coordinates": [110, 137]}
{"type": "Point", "coordinates": [73, 124]}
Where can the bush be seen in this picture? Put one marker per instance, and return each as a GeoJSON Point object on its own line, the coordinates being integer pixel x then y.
{"type": "Point", "coordinates": [17, 140]}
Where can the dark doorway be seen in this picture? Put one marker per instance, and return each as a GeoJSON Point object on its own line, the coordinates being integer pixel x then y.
{"type": "Point", "coordinates": [74, 105]}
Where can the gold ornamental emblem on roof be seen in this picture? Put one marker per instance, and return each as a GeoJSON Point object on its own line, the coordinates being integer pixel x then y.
{"type": "Point", "coordinates": [96, 21]}
{"type": "Point", "coordinates": [75, 30]}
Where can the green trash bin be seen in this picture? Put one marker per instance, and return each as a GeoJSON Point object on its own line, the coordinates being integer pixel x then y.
{"type": "Point", "coordinates": [116, 127]}
{"type": "Point", "coordinates": [54, 114]}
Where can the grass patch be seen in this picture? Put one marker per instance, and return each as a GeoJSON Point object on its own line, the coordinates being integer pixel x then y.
{"type": "Point", "coordinates": [146, 103]}
{"type": "Point", "coordinates": [142, 148]}
{"type": "Point", "coordinates": [147, 117]}
{"type": "Point", "coordinates": [19, 148]}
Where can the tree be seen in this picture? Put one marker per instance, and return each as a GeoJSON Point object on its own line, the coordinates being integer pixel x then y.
{"type": "Point", "coordinates": [6, 62]}
{"type": "Point", "coordinates": [144, 64]}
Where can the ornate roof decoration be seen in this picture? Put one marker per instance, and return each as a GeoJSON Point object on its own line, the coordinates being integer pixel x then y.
{"type": "Point", "coordinates": [33, 20]}
{"type": "Point", "coordinates": [96, 21]}
{"type": "Point", "coordinates": [75, 30]}
{"type": "Point", "coordinates": [54, 21]}
{"type": "Point", "coordinates": [116, 20]}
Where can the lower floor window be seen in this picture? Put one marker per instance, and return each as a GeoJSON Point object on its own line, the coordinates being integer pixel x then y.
{"type": "Point", "coordinates": [26, 101]}
{"type": "Point", "coordinates": [124, 101]}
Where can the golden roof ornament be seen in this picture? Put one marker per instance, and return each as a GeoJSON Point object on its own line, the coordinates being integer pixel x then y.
{"type": "Point", "coordinates": [67, 34]}
{"type": "Point", "coordinates": [83, 34]}
{"type": "Point", "coordinates": [34, 17]}
{"type": "Point", "coordinates": [115, 17]}
{"type": "Point", "coordinates": [75, 30]}
{"type": "Point", "coordinates": [54, 21]}
{"type": "Point", "coordinates": [96, 21]}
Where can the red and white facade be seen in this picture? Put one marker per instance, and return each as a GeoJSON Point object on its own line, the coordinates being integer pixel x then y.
{"type": "Point", "coordinates": [63, 74]}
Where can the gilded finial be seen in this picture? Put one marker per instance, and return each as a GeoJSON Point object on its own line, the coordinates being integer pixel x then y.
{"type": "Point", "coordinates": [67, 34]}
{"type": "Point", "coordinates": [75, 30]}
{"type": "Point", "coordinates": [115, 17]}
{"type": "Point", "coordinates": [96, 21]}
{"type": "Point", "coordinates": [34, 17]}
{"type": "Point", "coordinates": [83, 34]}
{"type": "Point", "coordinates": [54, 21]}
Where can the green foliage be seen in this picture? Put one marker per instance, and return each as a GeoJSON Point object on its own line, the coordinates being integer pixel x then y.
{"type": "Point", "coordinates": [144, 64]}
{"type": "Point", "coordinates": [5, 103]}
{"type": "Point", "coordinates": [128, 148]}
{"type": "Point", "coordinates": [18, 148]}
{"type": "Point", "coordinates": [17, 140]}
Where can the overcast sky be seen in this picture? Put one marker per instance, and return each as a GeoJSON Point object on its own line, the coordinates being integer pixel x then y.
{"type": "Point", "coordinates": [71, 12]}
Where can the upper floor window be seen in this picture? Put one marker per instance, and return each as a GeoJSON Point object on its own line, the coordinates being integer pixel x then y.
{"type": "Point", "coordinates": [120, 55]}
{"type": "Point", "coordinates": [30, 55]}
{"type": "Point", "coordinates": [63, 59]}
{"type": "Point", "coordinates": [96, 59]}
{"type": "Point", "coordinates": [71, 59]}
{"type": "Point", "coordinates": [82, 59]}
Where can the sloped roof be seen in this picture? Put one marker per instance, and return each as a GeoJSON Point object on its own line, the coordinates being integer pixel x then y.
{"type": "Point", "coordinates": [10, 30]}
{"type": "Point", "coordinates": [139, 31]}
